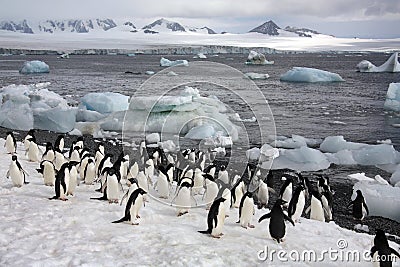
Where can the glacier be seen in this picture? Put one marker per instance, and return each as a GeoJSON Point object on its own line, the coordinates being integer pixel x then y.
{"type": "Point", "coordinates": [104, 103]}
{"type": "Point", "coordinates": [392, 101]}
{"type": "Point", "coordinates": [164, 62]}
{"type": "Point", "coordinates": [256, 58]}
{"type": "Point", "coordinates": [310, 75]}
{"type": "Point", "coordinates": [391, 65]}
{"type": "Point", "coordinates": [34, 66]}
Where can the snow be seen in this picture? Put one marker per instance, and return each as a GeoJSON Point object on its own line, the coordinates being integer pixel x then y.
{"type": "Point", "coordinates": [34, 66]}
{"type": "Point", "coordinates": [256, 76]}
{"type": "Point", "coordinates": [35, 231]}
{"type": "Point", "coordinates": [391, 65]}
{"type": "Point", "coordinates": [392, 101]}
{"type": "Point", "coordinates": [378, 195]}
{"type": "Point", "coordinates": [164, 62]}
{"type": "Point", "coordinates": [256, 58]}
{"type": "Point", "coordinates": [104, 103]}
{"type": "Point", "coordinates": [310, 75]}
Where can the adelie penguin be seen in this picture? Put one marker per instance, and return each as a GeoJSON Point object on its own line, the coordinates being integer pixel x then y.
{"type": "Point", "coordinates": [48, 171]}
{"type": "Point", "coordinates": [316, 207]}
{"type": "Point", "coordinates": [89, 173]}
{"type": "Point", "coordinates": [277, 227]}
{"type": "Point", "coordinates": [296, 205]}
{"type": "Point", "coordinates": [215, 218]}
{"type": "Point", "coordinates": [59, 143]}
{"type": "Point", "coordinates": [16, 173]}
{"type": "Point", "coordinates": [286, 190]}
{"type": "Point", "coordinates": [360, 208]}
{"type": "Point", "coordinates": [10, 144]}
{"type": "Point", "coordinates": [29, 136]}
{"type": "Point", "coordinates": [246, 210]}
{"type": "Point", "coordinates": [133, 206]}
{"type": "Point", "coordinates": [62, 182]}
{"type": "Point", "coordinates": [211, 190]}
{"type": "Point", "coordinates": [381, 253]}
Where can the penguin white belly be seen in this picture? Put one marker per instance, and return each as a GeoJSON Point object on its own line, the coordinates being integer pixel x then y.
{"type": "Point", "coordinates": [227, 195]}
{"type": "Point", "coordinates": [82, 166]}
{"type": "Point", "coordinates": [49, 175]}
{"type": "Point", "coordinates": [133, 171]}
{"type": "Point", "coordinates": [33, 152]}
{"type": "Point", "coordinates": [217, 230]}
{"type": "Point", "coordinates": [211, 193]}
{"type": "Point", "coordinates": [223, 176]}
{"type": "Point", "coordinates": [26, 143]}
{"type": "Point", "coordinates": [90, 173]}
{"type": "Point", "coordinates": [247, 212]}
{"type": "Point", "coordinates": [59, 160]}
{"type": "Point", "coordinates": [73, 180]}
{"type": "Point", "coordinates": [107, 164]}
{"type": "Point", "coordinates": [238, 194]}
{"type": "Point", "coordinates": [63, 194]}
{"type": "Point", "coordinates": [327, 209]}
{"type": "Point", "coordinates": [10, 147]}
{"type": "Point", "coordinates": [263, 194]}
{"type": "Point", "coordinates": [299, 207]}
{"type": "Point", "coordinates": [163, 186]}
{"type": "Point", "coordinates": [98, 158]}
{"type": "Point", "coordinates": [112, 188]}
{"type": "Point", "coordinates": [287, 194]}
{"type": "Point", "coordinates": [135, 208]}
{"type": "Point", "coordinates": [142, 181]}
{"type": "Point", "coordinates": [317, 212]}
{"type": "Point", "coordinates": [198, 183]}
{"type": "Point", "coordinates": [364, 212]}
{"type": "Point", "coordinates": [183, 201]}
{"type": "Point", "coordinates": [49, 156]}
{"type": "Point", "coordinates": [17, 177]}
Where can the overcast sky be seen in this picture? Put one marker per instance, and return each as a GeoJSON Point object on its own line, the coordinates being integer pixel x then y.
{"type": "Point", "coordinates": [342, 18]}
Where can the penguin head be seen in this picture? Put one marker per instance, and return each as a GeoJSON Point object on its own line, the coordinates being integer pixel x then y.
{"type": "Point", "coordinates": [90, 160]}
{"type": "Point", "coordinates": [80, 138]}
{"type": "Point", "coordinates": [359, 193]}
{"type": "Point", "coordinates": [280, 202]}
{"type": "Point", "coordinates": [31, 132]}
{"type": "Point", "coordinates": [111, 171]}
{"type": "Point", "coordinates": [223, 168]}
{"type": "Point", "coordinates": [132, 181]}
{"type": "Point", "coordinates": [10, 133]}
{"type": "Point", "coordinates": [141, 191]}
{"type": "Point", "coordinates": [49, 146]}
{"type": "Point", "coordinates": [14, 158]}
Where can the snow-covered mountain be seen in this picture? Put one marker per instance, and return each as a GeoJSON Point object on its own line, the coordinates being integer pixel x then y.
{"type": "Point", "coordinates": [19, 26]}
{"type": "Point", "coordinates": [164, 25]}
{"type": "Point", "coordinates": [79, 26]}
{"type": "Point", "coordinates": [272, 29]}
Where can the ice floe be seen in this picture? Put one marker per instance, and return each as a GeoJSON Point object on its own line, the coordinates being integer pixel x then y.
{"type": "Point", "coordinates": [256, 58]}
{"type": "Point", "coordinates": [107, 102]}
{"type": "Point", "coordinates": [164, 62]}
{"type": "Point", "coordinates": [34, 66]}
{"type": "Point", "coordinates": [310, 75]}
{"type": "Point", "coordinates": [256, 76]}
{"type": "Point", "coordinates": [392, 101]}
{"type": "Point", "coordinates": [391, 65]}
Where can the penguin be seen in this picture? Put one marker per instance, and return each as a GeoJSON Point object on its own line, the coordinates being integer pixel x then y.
{"type": "Point", "coordinates": [62, 182]}
{"type": "Point", "coordinates": [132, 184]}
{"type": "Point", "coordinates": [286, 190]}
{"type": "Point", "coordinates": [49, 172]}
{"type": "Point", "coordinates": [323, 184]}
{"type": "Point", "coordinates": [223, 175]}
{"type": "Point", "coordinates": [29, 136]}
{"type": "Point", "coordinates": [246, 210]}
{"type": "Point", "coordinates": [79, 142]}
{"type": "Point", "coordinates": [360, 208]}
{"type": "Point", "coordinates": [74, 154]}
{"type": "Point", "coordinates": [16, 173]}
{"type": "Point", "coordinates": [316, 207]}
{"type": "Point", "coordinates": [73, 177]}
{"type": "Point", "coordinates": [262, 195]}
{"type": "Point", "coordinates": [59, 143]}
{"type": "Point", "coordinates": [99, 156]}
{"type": "Point", "coordinates": [183, 198]}
{"type": "Point", "coordinates": [49, 153]}
{"type": "Point", "coordinates": [211, 190]}
{"type": "Point", "coordinates": [381, 252]}
{"type": "Point", "coordinates": [89, 173]}
{"type": "Point", "coordinates": [210, 169]}
{"type": "Point", "coordinates": [237, 192]}
{"type": "Point", "coordinates": [163, 181]}
{"type": "Point", "coordinates": [59, 158]}
{"type": "Point", "coordinates": [215, 218]}
{"type": "Point", "coordinates": [105, 163]}
{"type": "Point", "coordinates": [112, 188]}
{"type": "Point", "coordinates": [10, 144]}
{"type": "Point", "coordinates": [198, 181]}
{"type": "Point", "coordinates": [33, 151]}
{"type": "Point", "coordinates": [149, 169]}
{"type": "Point", "coordinates": [133, 171]}
{"type": "Point", "coordinates": [225, 192]}
{"type": "Point", "coordinates": [297, 203]}
{"type": "Point", "coordinates": [133, 206]}
{"type": "Point", "coordinates": [142, 181]}
{"type": "Point", "coordinates": [327, 203]}
{"type": "Point", "coordinates": [83, 163]}
{"type": "Point", "coordinates": [277, 227]}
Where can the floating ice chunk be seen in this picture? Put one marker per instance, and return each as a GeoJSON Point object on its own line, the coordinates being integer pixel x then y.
{"type": "Point", "coordinates": [253, 153]}
{"type": "Point", "coordinates": [88, 115]}
{"type": "Point", "coordinates": [391, 65]}
{"type": "Point", "coordinates": [392, 101]}
{"type": "Point", "coordinates": [168, 146]}
{"type": "Point", "coordinates": [168, 63]}
{"type": "Point", "coordinates": [300, 159]}
{"type": "Point", "coordinates": [395, 178]}
{"type": "Point", "coordinates": [149, 72]}
{"type": "Point", "coordinates": [64, 56]}
{"type": "Point", "coordinates": [153, 138]}
{"type": "Point", "coordinates": [200, 55]}
{"type": "Point", "coordinates": [377, 195]}
{"type": "Point", "coordinates": [75, 132]}
{"type": "Point", "coordinates": [376, 155]}
{"type": "Point", "coordinates": [105, 102]}
{"type": "Point", "coordinates": [255, 58]}
{"type": "Point", "coordinates": [201, 132]}
{"type": "Point", "coordinates": [386, 141]}
{"type": "Point", "coordinates": [16, 116]}
{"type": "Point", "coordinates": [360, 177]}
{"type": "Point", "coordinates": [343, 157]}
{"type": "Point", "coordinates": [165, 103]}
{"type": "Point", "coordinates": [57, 119]}
{"type": "Point", "coordinates": [171, 73]}
{"type": "Point", "coordinates": [334, 144]}
{"type": "Point", "coordinates": [268, 152]}
{"type": "Point", "coordinates": [34, 66]}
{"type": "Point", "coordinates": [380, 180]}
{"type": "Point", "coordinates": [256, 76]}
{"type": "Point", "coordinates": [236, 117]}
{"type": "Point", "coordinates": [190, 91]}
{"type": "Point", "coordinates": [310, 75]}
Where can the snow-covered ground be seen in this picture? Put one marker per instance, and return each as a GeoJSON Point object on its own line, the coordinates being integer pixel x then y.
{"type": "Point", "coordinates": [140, 40]}
{"type": "Point", "coordinates": [35, 231]}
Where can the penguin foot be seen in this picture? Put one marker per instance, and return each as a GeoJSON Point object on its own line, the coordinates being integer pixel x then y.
{"type": "Point", "coordinates": [182, 213]}
{"type": "Point", "coordinates": [137, 217]}
{"type": "Point", "coordinates": [135, 223]}
{"type": "Point", "coordinates": [63, 198]}
{"type": "Point", "coordinates": [216, 236]}
{"type": "Point", "coordinates": [251, 226]}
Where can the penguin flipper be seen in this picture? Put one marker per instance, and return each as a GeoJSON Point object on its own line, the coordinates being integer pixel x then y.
{"type": "Point", "coordinates": [373, 250]}
{"type": "Point", "coordinates": [288, 218]}
{"type": "Point", "coordinates": [393, 251]}
{"type": "Point", "coordinates": [8, 174]}
{"type": "Point", "coordinates": [366, 207]}
{"type": "Point", "coordinates": [265, 216]}
{"type": "Point", "coordinates": [307, 210]}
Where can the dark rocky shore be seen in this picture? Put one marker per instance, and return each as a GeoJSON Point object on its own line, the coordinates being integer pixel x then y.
{"type": "Point", "coordinates": [341, 186]}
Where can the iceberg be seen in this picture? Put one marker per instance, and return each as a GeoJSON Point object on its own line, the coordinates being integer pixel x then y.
{"type": "Point", "coordinates": [310, 75]}
{"type": "Point", "coordinates": [335, 144]}
{"type": "Point", "coordinates": [201, 132]}
{"type": "Point", "coordinates": [88, 115]}
{"type": "Point", "coordinates": [105, 102]}
{"type": "Point", "coordinates": [255, 58]}
{"type": "Point", "coordinates": [34, 66]}
{"type": "Point", "coordinates": [376, 155]}
{"type": "Point", "coordinates": [60, 120]}
{"type": "Point", "coordinates": [200, 55]}
{"type": "Point", "coordinates": [392, 101]}
{"type": "Point", "coordinates": [253, 153]}
{"type": "Point", "coordinates": [169, 63]}
{"type": "Point", "coordinates": [391, 65]}
{"type": "Point", "coordinates": [153, 138]}
{"type": "Point", "coordinates": [256, 76]}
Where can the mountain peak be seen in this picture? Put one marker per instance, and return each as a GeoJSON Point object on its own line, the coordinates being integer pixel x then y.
{"type": "Point", "coordinates": [269, 28]}
{"type": "Point", "coordinates": [162, 24]}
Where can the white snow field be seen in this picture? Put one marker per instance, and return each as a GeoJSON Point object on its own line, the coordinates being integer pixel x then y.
{"type": "Point", "coordinates": [126, 40]}
{"type": "Point", "coordinates": [35, 231]}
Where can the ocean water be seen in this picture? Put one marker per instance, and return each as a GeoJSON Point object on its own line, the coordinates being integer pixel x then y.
{"type": "Point", "coordinates": [353, 108]}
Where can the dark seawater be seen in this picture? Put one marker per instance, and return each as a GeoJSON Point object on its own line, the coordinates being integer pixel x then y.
{"type": "Point", "coordinates": [298, 108]}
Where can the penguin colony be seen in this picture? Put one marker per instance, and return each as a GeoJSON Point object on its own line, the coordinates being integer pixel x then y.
{"type": "Point", "coordinates": [180, 177]}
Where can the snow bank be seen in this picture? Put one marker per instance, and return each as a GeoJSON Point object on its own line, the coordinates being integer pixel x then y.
{"type": "Point", "coordinates": [391, 65]}
{"type": "Point", "coordinates": [107, 102]}
{"type": "Point", "coordinates": [378, 195]}
{"type": "Point", "coordinates": [256, 76]}
{"type": "Point", "coordinates": [24, 107]}
{"type": "Point", "coordinates": [169, 63]}
{"type": "Point", "coordinates": [310, 75]}
{"type": "Point", "coordinates": [34, 66]}
{"type": "Point", "coordinates": [392, 101]}
{"type": "Point", "coordinates": [256, 58]}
